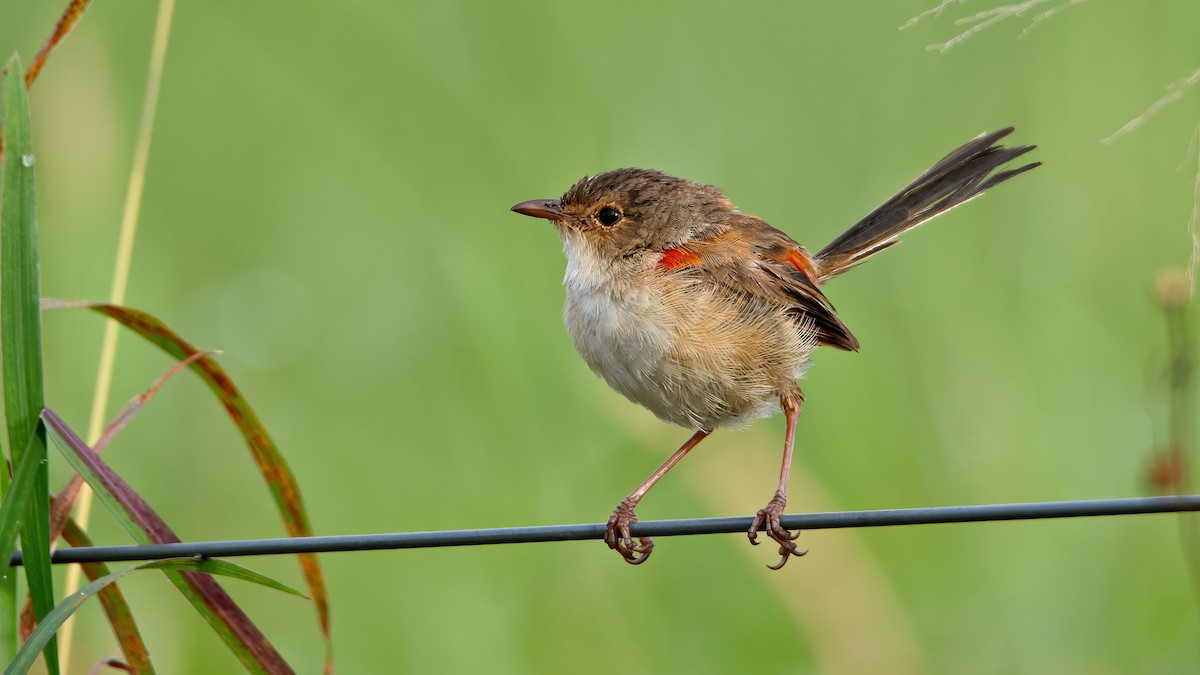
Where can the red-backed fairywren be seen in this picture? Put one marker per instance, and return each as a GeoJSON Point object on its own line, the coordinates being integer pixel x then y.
{"type": "Point", "coordinates": [708, 316]}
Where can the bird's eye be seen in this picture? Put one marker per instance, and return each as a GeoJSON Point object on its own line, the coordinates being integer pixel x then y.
{"type": "Point", "coordinates": [608, 216]}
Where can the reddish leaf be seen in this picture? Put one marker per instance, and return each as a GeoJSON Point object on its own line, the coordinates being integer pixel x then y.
{"type": "Point", "coordinates": [65, 23]}
{"type": "Point", "coordinates": [65, 500]}
{"type": "Point", "coordinates": [137, 657]}
{"type": "Point", "coordinates": [284, 488]}
{"type": "Point", "coordinates": [245, 640]}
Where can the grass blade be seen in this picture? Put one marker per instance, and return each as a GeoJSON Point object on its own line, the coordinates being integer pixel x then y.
{"type": "Point", "coordinates": [242, 637]}
{"type": "Point", "coordinates": [66, 22]}
{"type": "Point", "coordinates": [55, 618]}
{"type": "Point", "coordinates": [12, 510]}
{"type": "Point", "coordinates": [124, 257]}
{"type": "Point", "coordinates": [235, 571]}
{"type": "Point", "coordinates": [21, 336]}
{"type": "Point", "coordinates": [120, 617]}
{"type": "Point", "coordinates": [62, 503]}
{"type": "Point", "coordinates": [8, 592]}
{"type": "Point", "coordinates": [65, 499]}
{"type": "Point", "coordinates": [278, 475]}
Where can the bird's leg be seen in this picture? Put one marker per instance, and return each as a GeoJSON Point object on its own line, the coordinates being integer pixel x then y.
{"type": "Point", "coordinates": [616, 533]}
{"type": "Point", "coordinates": [768, 516]}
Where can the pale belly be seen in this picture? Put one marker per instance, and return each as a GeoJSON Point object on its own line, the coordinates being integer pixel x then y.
{"type": "Point", "coordinates": [680, 352]}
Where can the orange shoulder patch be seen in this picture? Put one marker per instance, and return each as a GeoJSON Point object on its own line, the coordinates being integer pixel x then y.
{"type": "Point", "coordinates": [674, 258]}
{"type": "Point", "coordinates": [802, 262]}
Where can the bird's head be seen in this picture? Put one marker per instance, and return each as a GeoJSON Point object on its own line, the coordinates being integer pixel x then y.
{"type": "Point", "coordinates": [620, 213]}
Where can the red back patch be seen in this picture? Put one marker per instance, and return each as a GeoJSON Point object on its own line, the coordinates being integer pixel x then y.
{"type": "Point", "coordinates": [802, 262]}
{"type": "Point", "coordinates": [674, 258]}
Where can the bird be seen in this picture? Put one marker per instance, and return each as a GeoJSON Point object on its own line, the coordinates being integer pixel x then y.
{"type": "Point", "coordinates": [708, 316]}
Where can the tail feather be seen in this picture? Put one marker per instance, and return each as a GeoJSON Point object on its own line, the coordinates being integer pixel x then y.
{"type": "Point", "coordinates": [961, 176]}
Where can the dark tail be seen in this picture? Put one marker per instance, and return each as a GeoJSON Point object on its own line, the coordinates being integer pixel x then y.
{"type": "Point", "coordinates": [961, 176]}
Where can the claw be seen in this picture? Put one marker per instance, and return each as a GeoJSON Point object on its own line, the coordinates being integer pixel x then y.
{"type": "Point", "coordinates": [617, 537]}
{"type": "Point", "coordinates": [768, 519]}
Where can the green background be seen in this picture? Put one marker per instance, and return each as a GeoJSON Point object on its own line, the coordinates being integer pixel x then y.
{"type": "Point", "coordinates": [327, 203]}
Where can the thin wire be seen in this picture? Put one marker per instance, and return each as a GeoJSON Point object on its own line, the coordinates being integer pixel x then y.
{"type": "Point", "coordinates": [660, 528]}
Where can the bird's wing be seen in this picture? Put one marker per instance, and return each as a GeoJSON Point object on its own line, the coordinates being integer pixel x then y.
{"type": "Point", "coordinates": [750, 257]}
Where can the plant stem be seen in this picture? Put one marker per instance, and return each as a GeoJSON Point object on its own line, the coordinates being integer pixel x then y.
{"type": "Point", "coordinates": [120, 281]}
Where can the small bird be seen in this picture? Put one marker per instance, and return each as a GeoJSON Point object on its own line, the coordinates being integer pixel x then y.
{"type": "Point", "coordinates": [707, 316]}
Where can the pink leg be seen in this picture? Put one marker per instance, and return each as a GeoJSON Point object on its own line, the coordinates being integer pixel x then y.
{"type": "Point", "coordinates": [616, 533]}
{"type": "Point", "coordinates": [768, 517]}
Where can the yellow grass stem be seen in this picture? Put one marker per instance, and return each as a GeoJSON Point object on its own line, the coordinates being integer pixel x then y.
{"type": "Point", "coordinates": [129, 221]}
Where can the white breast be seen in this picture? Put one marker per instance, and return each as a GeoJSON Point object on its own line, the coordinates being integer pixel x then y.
{"type": "Point", "coordinates": [616, 328]}
{"type": "Point", "coordinates": [670, 347]}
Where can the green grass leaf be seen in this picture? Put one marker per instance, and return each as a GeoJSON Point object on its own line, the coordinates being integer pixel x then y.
{"type": "Point", "coordinates": [64, 501]}
{"type": "Point", "coordinates": [120, 617]}
{"type": "Point", "coordinates": [242, 637]}
{"type": "Point", "coordinates": [21, 337]}
{"type": "Point", "coordinates": [53, 620]}
{"type": "Point", "coordinates": [278, 475]}
{"type": "Point", "coordinates": [12, 510]}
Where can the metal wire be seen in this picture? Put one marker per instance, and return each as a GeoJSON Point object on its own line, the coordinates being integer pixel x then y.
{"type": "Point", "coordinates": [659, 528]}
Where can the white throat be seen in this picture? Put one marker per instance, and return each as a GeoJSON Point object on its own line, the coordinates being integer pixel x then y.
{"type": "Point", "coordinates": [587, 272]}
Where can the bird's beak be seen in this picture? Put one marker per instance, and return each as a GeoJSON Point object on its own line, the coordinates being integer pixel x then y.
{"type": "Point", "coordinates": [550, 209]}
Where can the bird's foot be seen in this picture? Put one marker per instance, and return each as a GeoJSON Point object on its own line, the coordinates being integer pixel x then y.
{"type": "Point", "coordinates": [616, 535]}
{"type": "Point", "coordinates": [768, 519]}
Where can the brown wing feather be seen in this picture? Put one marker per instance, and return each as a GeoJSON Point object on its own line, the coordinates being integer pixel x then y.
{"type": "Point", "coordinates": [752, 257]}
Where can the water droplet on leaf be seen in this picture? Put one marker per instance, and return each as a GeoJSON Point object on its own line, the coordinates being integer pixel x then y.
{"type": "Point", "coordinates": [27, 159]}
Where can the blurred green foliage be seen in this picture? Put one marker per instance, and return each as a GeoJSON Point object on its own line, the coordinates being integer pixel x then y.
{"type": "Point", "coordinates": [327, 202]}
